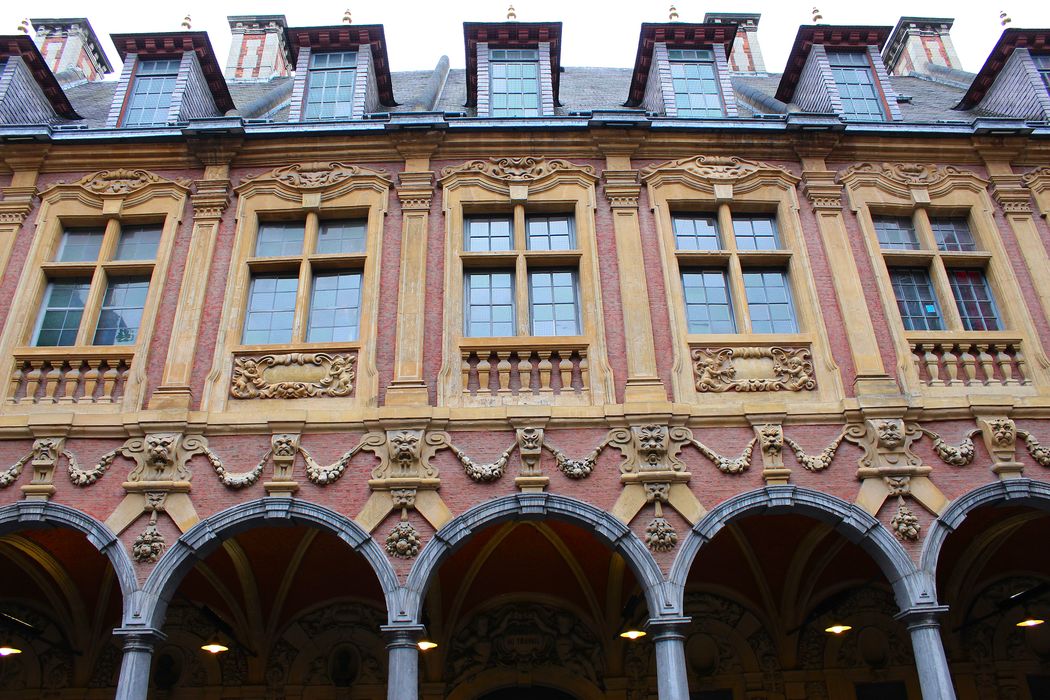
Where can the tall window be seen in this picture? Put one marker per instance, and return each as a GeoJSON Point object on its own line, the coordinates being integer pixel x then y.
{"type": "Point", "coordinates": [855, 80]}
{"type": "Point", "coordinates": [98, 280]}
{"type": "Point", "coordinates": [305, 282]}
{"type": "Point", "coordinates": [937, 273]}
{"type": "Point", "coordinates": [1042, 64]}
{"type": "Point", "coordinates": [514, 76]}
{"type": "Point", "coordinates": [151, 91]}
{"type": "Point", "coordinates": [735, 282]}
{"type": "Point", "coordinates": [330, 85]}
{"type": "Point", "coordinates": [521, 279]}
{"type": "Point", "coordinates": [695, 79]}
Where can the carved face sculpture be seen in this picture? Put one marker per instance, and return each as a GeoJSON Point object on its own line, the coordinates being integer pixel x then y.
{"type": "Point", "coordinates": [1004, 432]}
{"type": "Point", "coordinates": [45, 451]}
{"type": "Point", "coordinates": [529, 439]}
{"type": "Point", "coordinates": [772, 439]}
{"type": "Point", "coordinates": [652, 443]}
{"type": "Point", "coordinates": [890, 434]}
{"type": "Point", "coordinates": [283, 446]}
{"type": "Point", "coordinates": [160, 450]}
{"type": "Point", "coordinates": [405, 447]}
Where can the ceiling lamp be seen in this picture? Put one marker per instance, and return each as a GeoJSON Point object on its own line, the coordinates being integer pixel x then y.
{"type": "Point", "coordinates": [426, 645]}
{"type": "Point", "coordinates": [632, 634]}
{"type": "Point", "coordinates": [214, 645]}
{"type": "Point", "coordinates": [838, 629]}
{"type": "Point", "coordinates": [9, 650]}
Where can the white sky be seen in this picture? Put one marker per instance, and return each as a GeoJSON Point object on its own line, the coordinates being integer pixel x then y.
{"type": "Point", "coordinates": [595, 32]}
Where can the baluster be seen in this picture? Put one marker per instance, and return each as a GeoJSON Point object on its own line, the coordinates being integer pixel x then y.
{"type": "Point", "coordinates": [503, 371]}
{"type": "Point", "coordinates": [951, 365]}
{"type": "Point", "coordinates": [109, 379]}
{"type": "Point", "coordinates": [519, 373]}
{"type": "Point", "coordinates": [465, 372]}
{"type": "Point", "coordinates": [1006, 365]}
{"type": "Point", "coordinates": [72, 381]}
{"type": "Point", "coordinates": [484, 373]}
{"type": "Point", "coordinates": [545, 373]}
{"type": "Point", "coordinates": [969, 364]}
{"type": "Point", "coordinates": [987, 364]}
{"type": "Point", "coordinates": [916, 358]}
{"type": "Point", "coordinates": [16, 382]}
{"type": "Point", "coordinates": [91, 380]}
{"type": "Point", "coordinates": [565, 370]}
{"type": "Point", "coordinates": [51, 380]}
{"type": "Point", "coordinates": [1022, 365]}
{"type": "Point", "coordinates": [585, 379]}
{"type": "Point", "coordinates": [933, 368]}
{"type": "Point", "coordinates": [32, 383]}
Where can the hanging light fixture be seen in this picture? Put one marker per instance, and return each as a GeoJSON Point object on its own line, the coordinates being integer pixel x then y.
{"type": "Point", "coordinates": [838, 629]}
{"type": "Point", "coordinates": [214, 645]}
{"type": "Point", "coordinates": [1029, 620]}
{"type": "Point", "coordinates": [426, 645]}
{"type": "Point", "coordinates": [9, 649]}
{"type": "Point", "coordinates": [632, 634]}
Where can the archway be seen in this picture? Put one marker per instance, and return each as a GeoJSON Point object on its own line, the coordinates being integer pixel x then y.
{"type": "Point", "coordinates": [530, 693]}
{"type": "Point", "coordinates": [530, 607]}
{"type": "Point", "coordinates": [992, 575]}
{"type": "Point", "coordinates": [60, 599]}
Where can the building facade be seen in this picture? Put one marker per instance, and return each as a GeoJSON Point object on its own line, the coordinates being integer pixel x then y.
{"type": "Point", "coordinates": [446, 384]}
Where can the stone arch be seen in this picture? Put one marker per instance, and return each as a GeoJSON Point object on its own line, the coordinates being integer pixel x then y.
{"type": "Point", "coordinates": [910, 586]}
{"type": "Point", "coordinates": [1016, 491]}
{"type": "Point", "coordinates": [534, 506]}
{"type": "Point", "coordinates": [202, 538]}
{"type": "Point", "coordinates": [25, 515]}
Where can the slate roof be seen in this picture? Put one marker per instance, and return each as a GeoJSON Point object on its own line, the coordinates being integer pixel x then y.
{"type": "Point", "coordinates": [583, 89]}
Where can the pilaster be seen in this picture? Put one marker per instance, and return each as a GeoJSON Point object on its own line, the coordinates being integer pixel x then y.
{"type": "Point", "coordinates": [17, 200]}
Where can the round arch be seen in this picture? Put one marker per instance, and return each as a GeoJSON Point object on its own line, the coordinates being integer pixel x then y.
{"type": "Point", "coordinates": [535, 506]}
{"type": "Point", "coordinates": [28, 515]}
{"type": "Point", "coordinates": [1015, 491]}
{"type": "Point", "coordinates": [562, 683]}
{"type": "Point", "coordinates": [209, 533]}
{"type": "Point", "coordinates": [910, 585]}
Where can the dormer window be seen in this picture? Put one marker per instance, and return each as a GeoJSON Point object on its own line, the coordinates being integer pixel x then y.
{"type": "Point", "coordinates": [1042, 64]}
{"type": "Point", "coordinates": [515, 82]}
{"type": "Point", "coordinates": [330, 87]}
{"type": "Point", "coordinates": [695, 78]}
{"type": "Point", "coordinates": [151, 92]}
{"type": "Point", "coordinates": [856, 85]}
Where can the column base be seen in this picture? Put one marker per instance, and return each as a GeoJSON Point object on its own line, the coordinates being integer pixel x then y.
{"type": "Point", "coordinates": [171, 396]}
{"type": "Point", "coordinates": [644, 389]}
{"type": "Point", "coordinates": [407, 394]}
{"type": "Point", "coordinates": [875, 386]}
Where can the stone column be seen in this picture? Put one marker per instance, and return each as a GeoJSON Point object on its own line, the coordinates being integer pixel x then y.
{"type": "Point", "coordinates": [134, 668]}
{"type": "Point", "coordinates": [930, 661]}
{"type": "Point", "coordinates": [402, 678]}
{"type": "Point", "coordinates": [668, 635]}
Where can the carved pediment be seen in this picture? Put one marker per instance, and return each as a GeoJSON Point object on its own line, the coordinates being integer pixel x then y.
{"type": "Point", "coordinates": [518, 170]}
{"type": "Point", "coordinates": [121, 181]}
{"type": "Point", "coordinates": [901, 178]}
{"type": "Point", "coordinates": [315, 175]}
{"type": "Point", "coordinates": [704, 172]}
{"type": "Point", "coordinates": [1038, 179]}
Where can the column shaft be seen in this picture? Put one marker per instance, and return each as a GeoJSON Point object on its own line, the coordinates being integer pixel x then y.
{"type": "Point", "coordinates": [403, 664]}
{"type": "Point", "coordinates": [930, 660]}
{"type": "Point", "coordinates": [669, 641]}
{"type": "Point", "coordinates": [134, 667]}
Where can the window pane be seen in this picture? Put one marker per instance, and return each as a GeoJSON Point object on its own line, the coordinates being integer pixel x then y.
{"type": "Point", "coordinates": [80, 245]}
{"type": "Point", "coordinates": [138, 243]}
{"type": "Point", "coordinates": [490, 304]}
{"type": "Point", "coordinates": [550, 233]}
{"type": "Point", "coordinates": [514, 86]}
{"type": "Point", "coordinates": [769, 302]}
{"type": "Point", "coordinates": [915, 299]}
{"type": "Point", "coordinates": [151, 91]}
{"type": "Point", "coordinates": [696, 232]}
{"type": "Point", "coordinates": [755, 233]}
{"type": "Point", "coordinates": [896, 233]}
{"type": "Point", "coordinates": [121, 314]}
{"type": "Point", "coordinates": [491, 233]}
{"type": "Point", "coordinates": [271, 309]}
{"type": "Point", "coordinates": [61, 312]}
{"type": "Point", "coordinates": [974, 299]}
{"type": "Point", "coordinates": [555, 307]}
{"type": "Point", "coordinates": [856, 85]}
{"type": "Point", "coordinates": [707, 302]}
{"type": "Point", "coordinates": [330, 85]}
{"type": "Point", "coordinates": [335, 307]}
{"type": "Point", "coordinates": [696, 87]}
{"type": "Point", "coordinates": [342, 237]}
{"type": "Point", "coordinates": [279, 239]}
{"type": "Point", "coordinates": [953, 234]}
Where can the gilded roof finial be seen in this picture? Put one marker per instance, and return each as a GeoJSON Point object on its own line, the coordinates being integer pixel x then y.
{"type": "Point", "coordinates": [186, 22]}
{"type": "Point", "coordinates": [672, 15]}
{"type": "Point", "coordinates": [817, 16]}
{"type": "Point", "coordinates": [512, 16]}
{"type": "Point", "coordinates": [347, 19]}
{"type": "Point", "coordinates": [23, 26]}
{"type": "Point", "coordinates": [1004, 19]}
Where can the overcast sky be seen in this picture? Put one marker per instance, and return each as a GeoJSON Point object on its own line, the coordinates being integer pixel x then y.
{"type": "Point", "coordinates": [595, 32]}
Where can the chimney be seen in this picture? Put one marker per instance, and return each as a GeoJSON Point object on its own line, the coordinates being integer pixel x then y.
{"type": "Point", "coordinates": [258, 50]}
{"type": "Point", "coordinates": [746, 56]}
{"type": "Point", "coordinates": [918, 43]}
{"type": "Point", "coordinates": [70, 47]}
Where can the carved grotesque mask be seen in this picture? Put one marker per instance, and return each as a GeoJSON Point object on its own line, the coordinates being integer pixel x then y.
{"type": "Point", "coordinates": [405, 447]}
{"type": "Point", "coordinates": [652, 442]}
{"type": "Point", "coordinates": [1004, 432]}
{"type": "Point", "coordinates": [160, 450]}
{"type": "Point", "coordinates": [283, 446]}
{"type": "Point", "coordinates": [772, 439]}
{"type": "Point", "coordinates": [530, 438]}
{"type": "Point", "coordinates": [890, 434]}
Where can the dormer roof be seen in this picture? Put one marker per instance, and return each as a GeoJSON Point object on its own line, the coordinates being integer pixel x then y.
{"type": "Point", "coordinates": [21, 45]}
{"type": "Point", "coordinates": [831, 36]}
{"type": "Point", "coordinates": [510, 35]}
{"type": "Point", "coordinates": [173, 45]}
{"type": "Point", "coordinates": [1037, 40]}
{"type": "Point", "coordinates": [348, 37]}
{"type": "Point", "coordinates": [678, 35]}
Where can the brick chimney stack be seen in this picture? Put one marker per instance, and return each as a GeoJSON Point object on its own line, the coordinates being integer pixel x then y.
{"type": "Point", "coordinates": [69, 45]}
{"type": "Point", "coordinates": [918, 43]}
{"type": "Point", "coordinates": [258, 51]}
{"type": "Point", "coordinates": [746, 56]}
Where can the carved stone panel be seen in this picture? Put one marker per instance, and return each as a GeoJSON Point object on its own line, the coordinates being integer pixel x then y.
{"type": "Point", "coordinates": [296, 375]}
{"type": "Point", "coordinates": [749, 369]}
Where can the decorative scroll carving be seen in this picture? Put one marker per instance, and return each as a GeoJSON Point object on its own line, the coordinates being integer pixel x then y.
{"type": "Point", "coordinates": [784, 369]}
{"type": "Point", "coordinates": [728, 465]}
{"type": "Point", "coordinates": [403, 541]}
{"type": "Point", "coordinates": [163, 456]}
{"type": "Point", "coordinates": [516, 169]}
{"type": "Point", "coordinates": [886, 443]}
{"type": "Point", "coordinates": [1035, 177]}
{"type": "Point", "coordinates": [905, 523]}
{"type": "Point", "coordinates": [905, 174]}
{"type": "Point", "coordinates": [319, 175]}
{"type": "Point", "coordinates": [1039, 453]}
{"type": "Point", "coordinates": [406, 453]}
{"type": "Point", "coordinates": [818, 462]}
{"type": "Point", "coordinates": [483, 473]}
{"type": "Point", "coordinates": [660, 535]}
{"type": "Point", "coordinates": [956, 456]}
{"type": "Point", "coordinates": [148, 546]}
{"type": "Point", "coordinates": [122, 181]}
{"type": "Point", "coordinates": [249, 379]}
{"type": "Point", "coordinates": [650, 448]}
{"type": "Point", "coordinates": [717, 168]}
